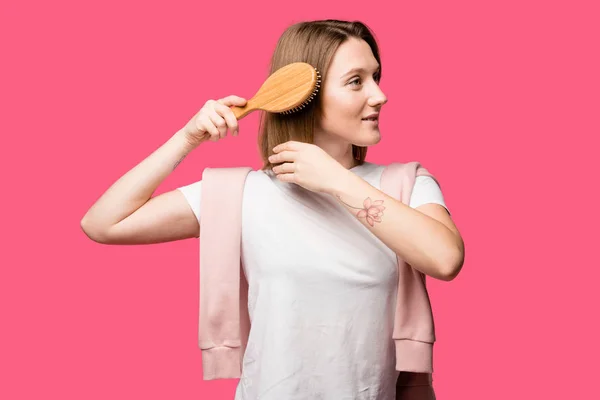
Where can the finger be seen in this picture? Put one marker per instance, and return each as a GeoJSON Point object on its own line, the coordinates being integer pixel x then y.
{"type": "Point", "coordinates": [212, 131]}
{"type": "Point", "coordinates": [283, 156]}
{"type": "Point", "coordinates": [233, 101]}
{"type": "Point", "coordinates": [219, 122]}
{"type": "Point", "coordinates": [286, 177]}
{"type": "Point", "coordinates": [290, 146]}
{"type": "Point", "coordinates": [285, 168]}
{"type": "Point", "coordinates": [229, 117]}
{"type": "Point", "coordinates": [206, 125]}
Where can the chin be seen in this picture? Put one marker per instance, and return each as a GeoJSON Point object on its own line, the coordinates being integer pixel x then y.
{"type": "Point", "coordinates": [368, 140]}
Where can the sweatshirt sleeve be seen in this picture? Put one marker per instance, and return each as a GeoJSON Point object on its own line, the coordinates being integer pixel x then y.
{"type": "Point", "coordinates": [193, 196]}
{"type": "Point", "coordinates": [426, 190]}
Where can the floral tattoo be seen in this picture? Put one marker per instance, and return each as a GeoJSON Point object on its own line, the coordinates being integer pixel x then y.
{"type": "Point", "coordinates": [372, 211]}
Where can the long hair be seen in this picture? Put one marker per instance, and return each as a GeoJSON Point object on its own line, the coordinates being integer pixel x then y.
{"type": "Point", "coordinates": [315, 43]}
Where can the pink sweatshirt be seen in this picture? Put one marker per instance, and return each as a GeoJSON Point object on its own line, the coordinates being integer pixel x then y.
{"type": "Point", "coordinates": [224, 323]}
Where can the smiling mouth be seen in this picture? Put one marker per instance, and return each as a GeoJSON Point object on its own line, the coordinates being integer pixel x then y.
{"type": "Point", "coordinates": [370, 119]}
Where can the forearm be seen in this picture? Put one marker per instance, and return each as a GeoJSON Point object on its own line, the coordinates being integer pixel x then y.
{"type": "Point", "coordinates": [423, 242]}
{"type": "Point", "coordinates": [135, 188]}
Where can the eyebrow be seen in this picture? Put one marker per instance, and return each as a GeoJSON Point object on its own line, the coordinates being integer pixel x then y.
{"type": "Point", "coordinates": [362, 70]}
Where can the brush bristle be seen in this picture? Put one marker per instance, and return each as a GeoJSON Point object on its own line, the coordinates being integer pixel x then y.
{"type": "Point", "coordinates": [309, 99]}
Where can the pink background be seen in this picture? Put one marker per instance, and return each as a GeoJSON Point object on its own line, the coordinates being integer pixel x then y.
{"type": "Point", "coordinates": [499, 101]}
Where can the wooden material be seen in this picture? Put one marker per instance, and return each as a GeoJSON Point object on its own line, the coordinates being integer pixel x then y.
{"type": "Point", "coordinates": [287, 90]}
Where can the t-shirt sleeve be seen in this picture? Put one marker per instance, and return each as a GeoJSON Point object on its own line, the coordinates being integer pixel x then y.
{"type": "Point", "coordinates": [426, 190]}
{"type": "Point", "coordinates": [193, 196]}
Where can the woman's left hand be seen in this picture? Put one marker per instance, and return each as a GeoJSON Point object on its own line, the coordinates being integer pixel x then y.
{"type": "Point", "coordinates": [307, 165]}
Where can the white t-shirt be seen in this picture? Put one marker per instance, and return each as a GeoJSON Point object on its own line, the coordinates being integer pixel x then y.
{"type": "Point", "coordinates": [322, 292]}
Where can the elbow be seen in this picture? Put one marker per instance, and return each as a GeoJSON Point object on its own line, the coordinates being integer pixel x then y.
{"type": "Point", "coordinates": [451, 267]}
{"type": "Point", "coordinates": [449, 274]}
{"type": "Point", "coordinates": [93, 232]}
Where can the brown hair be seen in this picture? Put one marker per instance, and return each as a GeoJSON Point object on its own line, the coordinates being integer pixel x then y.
{"type": "Point", "coordinates": [315, 43]}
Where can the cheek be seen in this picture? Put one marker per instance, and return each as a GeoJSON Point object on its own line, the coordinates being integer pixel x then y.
{"type": "Point", "coordinates": [342, 108]}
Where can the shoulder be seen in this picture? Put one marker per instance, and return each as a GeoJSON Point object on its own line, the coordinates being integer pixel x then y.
{"type": "Point", "coordinates": [191, 189]}
{"type": "Point", "coordinates": [426, 183]}
{"type": "Point", "coordinates": [426, 191]}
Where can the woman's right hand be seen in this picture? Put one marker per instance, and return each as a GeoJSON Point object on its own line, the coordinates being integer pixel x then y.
{"type": "Point", "coordinates": [213, 120]}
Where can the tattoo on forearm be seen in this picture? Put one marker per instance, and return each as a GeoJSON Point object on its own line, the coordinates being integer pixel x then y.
{"type": "Point", "coordinates": [372, 211]}
{"type": "Point", "coordinates": [180, 160]}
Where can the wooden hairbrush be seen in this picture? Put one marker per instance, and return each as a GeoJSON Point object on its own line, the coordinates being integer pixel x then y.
{"type": "Point", "coordinates": [287, 90]}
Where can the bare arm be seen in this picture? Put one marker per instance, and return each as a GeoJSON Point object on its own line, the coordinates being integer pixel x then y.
{"type": "Point", "coordinates": [128, 214]}
{"type": "Point", "coordinates": [424, 237]}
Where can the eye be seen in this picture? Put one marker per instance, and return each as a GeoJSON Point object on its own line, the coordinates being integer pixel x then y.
{"type": "Point", "coordinates": [356, 82]}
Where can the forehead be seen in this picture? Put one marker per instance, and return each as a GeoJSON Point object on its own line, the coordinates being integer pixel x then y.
{"type": "Point", "coordinates": [353, 53]}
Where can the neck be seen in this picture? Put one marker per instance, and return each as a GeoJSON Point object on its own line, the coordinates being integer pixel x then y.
{"type": "Point", "coordinates": [338, 149]}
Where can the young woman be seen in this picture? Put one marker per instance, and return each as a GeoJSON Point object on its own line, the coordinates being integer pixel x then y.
{"type": "Point", "coordinates": [322, 275]}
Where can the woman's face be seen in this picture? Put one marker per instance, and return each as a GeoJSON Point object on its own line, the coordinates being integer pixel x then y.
{"type": "Point", "coordinates": [349, 96]}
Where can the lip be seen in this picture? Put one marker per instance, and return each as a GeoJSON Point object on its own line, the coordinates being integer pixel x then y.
{"type": "Point", "coordinates": [373, 115]}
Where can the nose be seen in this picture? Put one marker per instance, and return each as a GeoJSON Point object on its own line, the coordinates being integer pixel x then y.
{"type": "Point", "coordinates": [377, 98]}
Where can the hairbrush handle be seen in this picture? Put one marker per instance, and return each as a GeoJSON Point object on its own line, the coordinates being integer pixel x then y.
{"type": "Point", "coordinates": [241, 112]}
